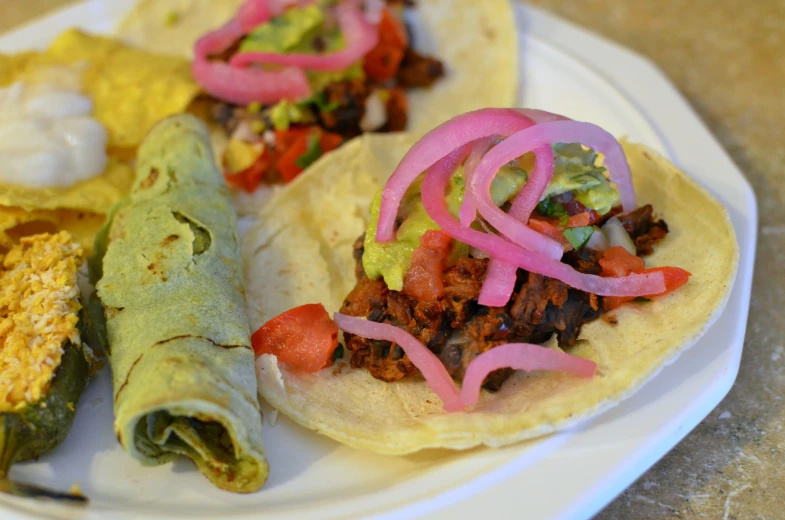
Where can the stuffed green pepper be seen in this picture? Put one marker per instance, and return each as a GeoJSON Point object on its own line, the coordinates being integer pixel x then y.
{"type": "Point", "coordinates": [45, 365]}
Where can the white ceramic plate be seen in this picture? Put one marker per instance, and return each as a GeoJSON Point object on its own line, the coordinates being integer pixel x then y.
{"type": "Point", "coordinates": [571, 475]}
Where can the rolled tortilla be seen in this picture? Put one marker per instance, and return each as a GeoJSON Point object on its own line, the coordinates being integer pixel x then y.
{"type": "Point", "coordinates": [171, 292]}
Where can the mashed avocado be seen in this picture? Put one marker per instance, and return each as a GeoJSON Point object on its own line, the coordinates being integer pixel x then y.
{"type": "Point", "coordinates": [302, 30]}
{"type": "Point", "coordinates": [391, 260]}
{"type": "Point", "coordinates": [574, 170]}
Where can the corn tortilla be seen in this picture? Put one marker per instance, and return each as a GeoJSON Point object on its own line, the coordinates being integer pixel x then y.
{"type": "Point", "coordinates": [299, 250]}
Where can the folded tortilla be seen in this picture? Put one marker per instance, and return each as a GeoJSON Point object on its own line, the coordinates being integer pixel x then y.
{"type": "Point", "coordinates": [307, 232]}
{"type": "Point", "coordinates": [476, 41]}
{"type": "Point", "coordinates": [170, 286]}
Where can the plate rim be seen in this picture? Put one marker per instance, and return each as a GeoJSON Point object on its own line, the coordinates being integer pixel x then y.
{"type": "Point", "coordinates": [568, 32]}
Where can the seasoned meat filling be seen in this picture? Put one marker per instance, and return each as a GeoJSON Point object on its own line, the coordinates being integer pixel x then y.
{"type": "Point", "coordinates": [457, 329]}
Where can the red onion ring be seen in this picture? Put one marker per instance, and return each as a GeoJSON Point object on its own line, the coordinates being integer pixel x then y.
{"type": "Point", "coordinates": [243, 86]}
{"type": "Point", "coordinates": [538, 136]}
{"type": "Point", "coordinates": [360, 36]}
{"type": "Point", "coordinates": [520, 356]}
{"type": "Point", "coordinates": [435, 145]}
{"type": "Point", "coordinates": [433, 189]}
{"type": "Point", "coordinates": [432, 369]}
{"type": "Point", "coordinates": [468, 211]}
{"type": "Point", "coordinates": [500, 277]}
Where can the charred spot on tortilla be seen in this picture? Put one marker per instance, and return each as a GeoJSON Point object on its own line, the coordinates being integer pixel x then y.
{"type": "Point", "coordinates": [182, 367]}
{"type": "Point", "coordinates": [149, 180]}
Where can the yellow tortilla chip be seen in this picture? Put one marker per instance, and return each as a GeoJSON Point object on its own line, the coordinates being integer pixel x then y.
{"type": "Point", "coordinates": [96, 195]}
{"type": "Point", "coordinates": [17, 222]}
{"type": "Point", "coordinates": [131, 89]}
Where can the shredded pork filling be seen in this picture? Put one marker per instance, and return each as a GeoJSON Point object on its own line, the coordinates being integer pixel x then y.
{"type": "Point", "coordinates": [457, 329]}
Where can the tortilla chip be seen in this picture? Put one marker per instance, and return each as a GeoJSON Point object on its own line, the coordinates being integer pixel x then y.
{"type": "Point", "coordinates": [16, 223]}
{"type": "Point", "coordinates": [96, 195]}
{"type": "Point", "coordinates": [131, 89]}
{"type": "Point", "coordinates": [299, 251]}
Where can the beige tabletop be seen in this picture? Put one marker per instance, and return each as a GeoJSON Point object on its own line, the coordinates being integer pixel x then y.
{"type": "Point", "coordinates": [728, 58]}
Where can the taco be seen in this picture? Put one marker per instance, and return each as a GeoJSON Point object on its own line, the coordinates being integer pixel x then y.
{"type": "Point", "coordinates": [526, 260]}
{"type": "Point", "coordinates": [291, 80]}
{"type": "Point", "coordinates": [170, 314]}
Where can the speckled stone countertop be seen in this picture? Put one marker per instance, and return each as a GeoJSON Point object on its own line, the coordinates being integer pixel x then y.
{"type": "Point", "coordinates": [728, 58]}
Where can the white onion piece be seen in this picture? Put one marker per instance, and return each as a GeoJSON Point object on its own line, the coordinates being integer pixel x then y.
{"type": "Point", "coordinates": [617, 236]}
{"type": "Point", "coordinates": [598, 242]}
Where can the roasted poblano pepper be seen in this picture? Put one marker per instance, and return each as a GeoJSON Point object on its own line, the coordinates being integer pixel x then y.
{"type": "Point", "coordinates": [44, 366]}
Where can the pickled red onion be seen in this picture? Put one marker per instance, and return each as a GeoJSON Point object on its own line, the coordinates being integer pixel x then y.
{"type": "Point", "coordinates": [433, 189]}
{"type": "Point", "coordinates": [430, 366]}
{"type": "Point", "coordinates": [360, 36]}
{"type": "Point", "coordinates": [467, 212]}
{"type": "Point", "coordinates": [500, 277]}
{"type": "Point", "coordinates": [243, 86]}
{"type": "Point", "coordinates": [519, 356]}
{"type": "Point", "coordinates": [539, 136]}
{"type": "Point", "coordinates": [437, 144]}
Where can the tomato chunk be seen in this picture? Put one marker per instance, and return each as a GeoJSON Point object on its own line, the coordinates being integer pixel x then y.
{"type": "Point", "coordinates": [587, 218]}
{"type": "Point", "coordinates": [381, 64]}
{"type": "Point", "coordinates": [551, 231]}
{"type": "Point", "coordinates": [423, 279]}
{"type": "Point", "coordinates": [675, 277]}
{"type": "Point", "coordinates": [304, 337]}
{"type": "Point", "coordinates": [617, 262]}
{"type": "Point", "coordinates": [392, 31]}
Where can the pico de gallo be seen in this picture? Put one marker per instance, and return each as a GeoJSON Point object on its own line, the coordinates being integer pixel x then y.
{"type": "Point", "coordinates": [293, 79]}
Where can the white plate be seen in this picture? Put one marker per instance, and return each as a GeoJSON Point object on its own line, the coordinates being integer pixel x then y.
{"type": "Point", "coordinates": [570, 475]}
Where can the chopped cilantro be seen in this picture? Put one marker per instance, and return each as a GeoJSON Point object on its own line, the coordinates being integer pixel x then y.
{"type": "Point", "coordinates": [313, 152]}
{"type": "Point", "coordinates": [578, 236]}
{"type": "Point", "coordinates": [641, 299]}
{"type": "Point", "coordinates": [551, 208]}
{"type": "Point", "coordinates": [338, 352]}
{"type": "Point", "coordinates": [320, 100]}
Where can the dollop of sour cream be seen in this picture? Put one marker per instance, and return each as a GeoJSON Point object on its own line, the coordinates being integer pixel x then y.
{"type": "Point", "coordinates": [47, 136]}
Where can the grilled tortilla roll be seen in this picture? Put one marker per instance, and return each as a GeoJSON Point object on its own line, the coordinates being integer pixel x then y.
{"type": "Point", "coordinates": [169, 283]}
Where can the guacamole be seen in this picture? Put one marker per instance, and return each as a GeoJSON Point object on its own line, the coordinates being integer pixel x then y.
{"type": "Point", "coordinates": [574, 170]}
{"type": "Point", "coordinates": [302, 30]}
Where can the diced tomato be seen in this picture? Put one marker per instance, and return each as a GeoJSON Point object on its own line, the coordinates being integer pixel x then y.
{"type": "Point", "coordinates": [381, 64]}
{"type": "Point", "coordinates": [675, 277]}
{"type": "Point", "coordinates": [551, 231]}
{"type": "Point", "coordinates": [423, 279]}
{"type": "Point", "coordinates": [287, 164]}
{"type": "Point", "coordinates": [284, 139]}
{"type": "Point", "coordinates": [617, 262]}
{"type": "Point", "coordinates": [586, 218]}
{"type": "Point", "coordinates": [304, 337]}
{"type": "Point", "coordinates": [392, 32]}
{"type": "Point", "coordinates": [329, 141]}
{"type": "Point", "coordinates": [249, 178]}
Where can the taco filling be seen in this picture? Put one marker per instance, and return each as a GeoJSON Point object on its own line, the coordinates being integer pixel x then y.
{"type": "Point", "coordinates": [515, 233]}
{"type": "Point", "coordinates": [293, 80]}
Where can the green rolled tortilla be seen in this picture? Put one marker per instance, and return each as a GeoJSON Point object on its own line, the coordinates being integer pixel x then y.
{"type": "Point", "coordinates": [169, 283]}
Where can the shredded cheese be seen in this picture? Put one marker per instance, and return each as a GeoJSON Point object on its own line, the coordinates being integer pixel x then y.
{"type": "Point", "coordinates": [39, 305]}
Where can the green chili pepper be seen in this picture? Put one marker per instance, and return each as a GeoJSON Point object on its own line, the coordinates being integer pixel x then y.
{"type": "Point", "coordinates": [40, 426]}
